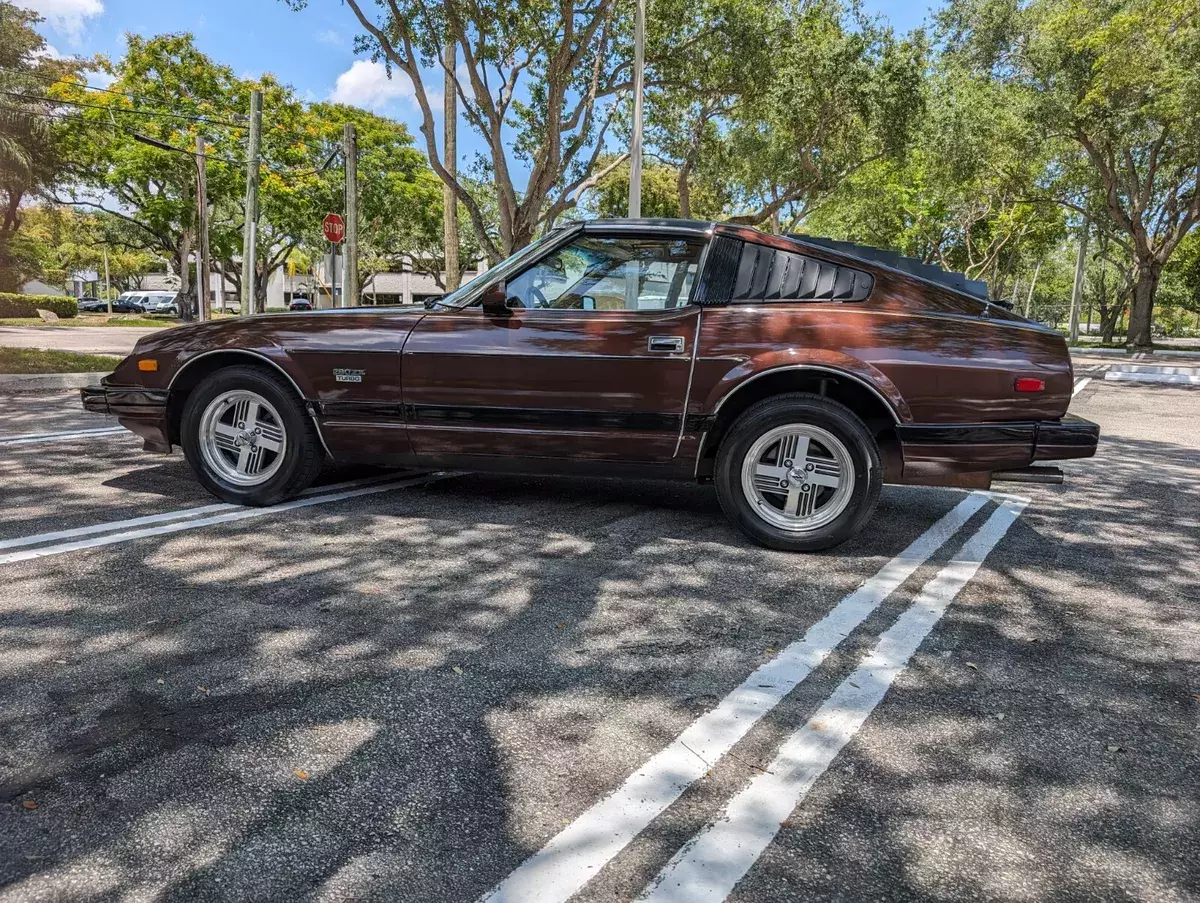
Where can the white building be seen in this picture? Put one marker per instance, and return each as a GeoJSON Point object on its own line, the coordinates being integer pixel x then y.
{"type": "Point", "coordinates": [382, 288]}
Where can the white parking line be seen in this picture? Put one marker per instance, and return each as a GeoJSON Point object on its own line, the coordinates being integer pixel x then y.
{"type": "Point", "coordinates": [710, 865]}
{"type": "Point", "coordinates": [113, 526]}
{"type": "Point", "coordinates": [34, 438]}
{"type": "Point", "coordinates": [236, 514]}
{"type": "Point", "coordinates": [578, 852]}
{"type": "Point", "coordinates": [1079, 385]}
{"type": "Point", "coordinates": [148, 519]}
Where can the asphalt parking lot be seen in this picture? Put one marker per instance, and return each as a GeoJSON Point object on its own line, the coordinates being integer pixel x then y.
{"type": "Point", "coordinates": [408, 688]}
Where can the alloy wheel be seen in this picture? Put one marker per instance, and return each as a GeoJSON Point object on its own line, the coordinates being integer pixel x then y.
{"type": "Point", "coordinates": [242, 438]}
{"type": "Point", "coordinates": [798, 477]}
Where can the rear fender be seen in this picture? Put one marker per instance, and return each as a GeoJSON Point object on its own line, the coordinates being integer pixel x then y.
{"type": "Point", "coordinates": [833, 362]}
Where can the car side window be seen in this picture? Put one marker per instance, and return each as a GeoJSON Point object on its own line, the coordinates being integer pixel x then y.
{"type": "Point", "coordinates": [598, 273]}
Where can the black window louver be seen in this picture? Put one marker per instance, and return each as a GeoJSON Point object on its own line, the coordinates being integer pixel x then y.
{"type": "Point", "coordinates": [769, 274]}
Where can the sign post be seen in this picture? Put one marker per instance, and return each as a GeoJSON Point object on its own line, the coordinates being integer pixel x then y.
{"type": "Point", "coordinates": [334, 229]}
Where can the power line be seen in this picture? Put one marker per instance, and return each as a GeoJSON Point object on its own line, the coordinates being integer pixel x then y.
{"type": "Point", "coordinates": [279, 168]}
{"type": "Point", "coordinates": [108, 109]}
{"type": "Point", "coordinates": [61, 117]}
{"type": "Point", "coordinates": [65, 80]}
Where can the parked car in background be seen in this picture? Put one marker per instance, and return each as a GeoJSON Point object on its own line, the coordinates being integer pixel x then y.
{"type": "Point", "coordinates": [161, 303]}
{"type": "Point", "coordinates": [795, 374]}
{"type": "Point", "coordinates": [88, 304]}
{"type": "Point", "coordinates": [128, 303]}
{"type": "Point", "coordinates": [300, 304]}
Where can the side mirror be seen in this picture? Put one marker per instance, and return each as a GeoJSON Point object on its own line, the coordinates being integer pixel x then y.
{"type": "Point", "coordinates": [495, 300]}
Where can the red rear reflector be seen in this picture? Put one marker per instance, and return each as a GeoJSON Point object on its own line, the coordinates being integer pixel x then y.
{"type": "Point", "coordinates": [1029, 384]}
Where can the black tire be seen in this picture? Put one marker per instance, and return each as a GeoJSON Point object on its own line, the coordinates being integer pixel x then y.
{"type": "Point", "coordinates": [812, 410]}
{"type": "Point", "coordinates": [303, 454]}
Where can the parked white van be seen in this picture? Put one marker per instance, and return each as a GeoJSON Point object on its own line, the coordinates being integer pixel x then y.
{"type": "Point", "coordinates": [161, 303]}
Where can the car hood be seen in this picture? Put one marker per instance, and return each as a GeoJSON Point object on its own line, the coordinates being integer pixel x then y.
{"type": "Point", "coordinates": [256, 330]}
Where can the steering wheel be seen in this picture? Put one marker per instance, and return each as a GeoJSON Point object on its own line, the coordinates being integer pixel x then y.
{"type": "Point", "coordinates": [538, 297]}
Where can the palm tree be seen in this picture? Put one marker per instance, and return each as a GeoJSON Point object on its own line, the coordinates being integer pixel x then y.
{"type": "Point", "coordinates": [27, 155]}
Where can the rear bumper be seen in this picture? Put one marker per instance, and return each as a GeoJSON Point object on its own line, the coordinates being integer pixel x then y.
{"type": "Point", "coordinates": [1071, 437]}
{"type": "Point", "coordinates": [139, 410]}
{"type": "Point", "coordinates": [937, 449]}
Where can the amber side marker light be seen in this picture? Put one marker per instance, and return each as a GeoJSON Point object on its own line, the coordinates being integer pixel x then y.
{"type": "Point", "coordinates": [149, 365]}
{"type": "Point", "coordinates": [1030, 384]}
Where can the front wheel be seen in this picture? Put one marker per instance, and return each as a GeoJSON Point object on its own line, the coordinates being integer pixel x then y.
{"type": "Point", "coordinates": [248, 439]}
{"type": "Point", "coordinates": [798, 472]}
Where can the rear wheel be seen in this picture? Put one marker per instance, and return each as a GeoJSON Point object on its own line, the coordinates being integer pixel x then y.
{"type": "Point", "coordinates": [798, 472]}
{"type": "Point", "coordinates": [248, 438]}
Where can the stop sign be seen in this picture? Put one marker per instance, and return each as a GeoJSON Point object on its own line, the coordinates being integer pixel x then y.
{"type": "Point", "coordinates": [334, 228]}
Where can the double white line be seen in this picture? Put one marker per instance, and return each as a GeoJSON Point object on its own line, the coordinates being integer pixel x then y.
{"type": "Point", "coordinates": [38, 438]}
{"type": "Point", "coordinates": [46, 544]}
{"type": "Point", "coordinates": [708, 867]}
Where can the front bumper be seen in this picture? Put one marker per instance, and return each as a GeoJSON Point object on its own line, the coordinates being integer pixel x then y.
{"type": "Point", "coordinates": [139, 410]}
{"type": "Point", "coordinates": [936, 449]}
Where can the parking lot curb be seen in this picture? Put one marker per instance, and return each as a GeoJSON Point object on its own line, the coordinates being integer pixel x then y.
{"type": "Point", "coordinates": [24, 382]}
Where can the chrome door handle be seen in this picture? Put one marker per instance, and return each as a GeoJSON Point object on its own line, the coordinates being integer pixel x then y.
{"type": "Point", "coordinates": [671, 344]}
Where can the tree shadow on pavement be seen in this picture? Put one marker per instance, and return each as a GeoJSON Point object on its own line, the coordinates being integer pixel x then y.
{"type": "Point", "coordinates": [399, 698]}
{"type": "Point", "coordinates": [1043, 744]}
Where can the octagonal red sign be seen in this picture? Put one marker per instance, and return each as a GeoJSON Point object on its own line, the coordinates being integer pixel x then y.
{"type": "Point", "coordinates": [334, 228]}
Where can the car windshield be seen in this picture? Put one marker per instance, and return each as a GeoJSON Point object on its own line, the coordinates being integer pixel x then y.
{"type": "Point", "coordinates": [467, 293]}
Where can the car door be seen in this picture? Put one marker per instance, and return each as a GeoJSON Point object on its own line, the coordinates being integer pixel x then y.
{"type": "Point", "coordinates": [591, 364]}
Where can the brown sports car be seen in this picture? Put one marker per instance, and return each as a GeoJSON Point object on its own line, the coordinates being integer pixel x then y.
{"type": "Point", "coordinates": [798, 375]}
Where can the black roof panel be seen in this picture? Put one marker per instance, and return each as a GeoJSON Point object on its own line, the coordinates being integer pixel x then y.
{"type": "Point", "coordinates": [932, 272]}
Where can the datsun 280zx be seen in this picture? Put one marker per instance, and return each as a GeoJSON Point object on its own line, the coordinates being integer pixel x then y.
{"type": "Point", "coordinates": [795, 374]}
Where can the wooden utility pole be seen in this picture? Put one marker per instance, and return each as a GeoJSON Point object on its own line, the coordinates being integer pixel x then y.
{"type": "Point", "coordinates": [202, 262]}
{"type": "Point", "coordinates": [350, 259]}
{"type": "Point", "coordinates": [250, 232]}
{"type": "Point", "coordinates": [450, 157]}
{"type": "Point", "coordinates": [1077, 289]}
{"type": "Point", "coordinates": [635, 145]}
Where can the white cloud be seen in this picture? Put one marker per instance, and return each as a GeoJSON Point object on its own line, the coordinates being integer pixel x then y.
{"type": "Point", "coordinates": [98, 78]}
{"type": "Point", "coordinates": [329, 36]}
{"type": "Point", "coordinates": [366, 84]}
{"type": "Point", "coordinates": [50, 52]}
{"type": "Point", "coordinates": [65, 16]}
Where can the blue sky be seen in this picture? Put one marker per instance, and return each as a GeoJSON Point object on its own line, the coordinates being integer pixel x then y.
{"type": "Point", "coordinates": [311, 49]}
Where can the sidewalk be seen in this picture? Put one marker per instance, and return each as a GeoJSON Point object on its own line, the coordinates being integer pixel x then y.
{"type": "Point", "coordinates": [97, 340]}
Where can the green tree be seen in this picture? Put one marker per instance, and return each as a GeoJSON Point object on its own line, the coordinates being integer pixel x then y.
{"type": "Point", "coordinates": [29, 158]}
{"type": "Point", "coordinates": [167, 91]}
{"type": "Point", "coordinates": [66, 240]}
{"type": "Point", "coordinates": [961, 196]}
{"type": "Point", "coordinates": [1120, 79]}
{"type": "Point", "coordinates": [661, 195]}
{"type": "Point", "coordinates": [710, 58]}
{"type": "Point", "coordinates": [537, 82]}
{"type": "Point", "coordinates": [164, 91]}
{"type": "Point", "coordinates": [840, 92]}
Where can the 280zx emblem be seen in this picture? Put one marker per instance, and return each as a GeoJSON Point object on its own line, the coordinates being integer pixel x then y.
{"type": "Point", "coordinates": [348, 376]}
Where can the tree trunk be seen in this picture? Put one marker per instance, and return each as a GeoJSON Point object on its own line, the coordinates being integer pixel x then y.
{"type": "Point", "coordinates": [185, 276]}
{"type": "Point", "coordinates": [685, 192]}
{"type": "Point", "coordinates": [1143, 305]}
{"type": "Point", "coordinates": [260, 289]}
